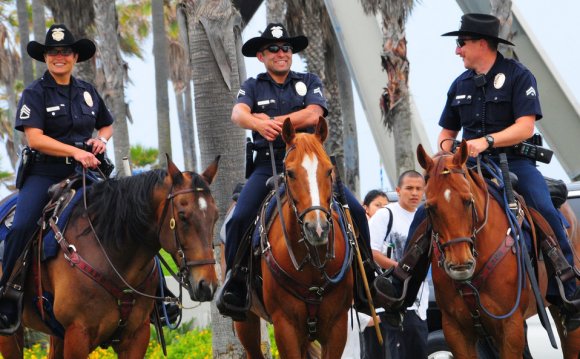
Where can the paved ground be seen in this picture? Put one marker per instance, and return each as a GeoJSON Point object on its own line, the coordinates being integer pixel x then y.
{"type": "Point", "coordinates": [539, 342]}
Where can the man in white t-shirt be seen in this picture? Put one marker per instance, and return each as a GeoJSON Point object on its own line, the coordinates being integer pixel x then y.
{"type": "Point", "coordinates": [389, 227]}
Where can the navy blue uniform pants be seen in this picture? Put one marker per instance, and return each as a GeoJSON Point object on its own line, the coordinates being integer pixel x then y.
{"type": "Point", "coordinates": [532, 186]}
{"type": "Point", "coordinates": [252, 196]}
{"type": "Point", "coordinates": [32, 198]}
{"type": "Point", "coordinates": [408, 341]}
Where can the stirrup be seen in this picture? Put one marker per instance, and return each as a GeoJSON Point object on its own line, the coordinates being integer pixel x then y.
{"type": "Point", "coordinates": [387, 301]}
{"type": "Point", "coordinates": [573, 305]}
{"type": "Point", "coordinates": [237, 313]}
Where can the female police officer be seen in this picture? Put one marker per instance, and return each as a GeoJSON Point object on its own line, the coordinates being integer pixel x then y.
{"type": "Point", "coordinates": [57, 114]}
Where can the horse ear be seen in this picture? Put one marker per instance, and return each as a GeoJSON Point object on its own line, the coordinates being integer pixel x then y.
{"type": "Point", "coordinates": [173, 171]}
{"type": "Point", "coordinates": [322, 129]}
{"type": "Point", "coordinates": [288, 132]}
{"type": "Point", "coordinates": [211, 170]}
{"type": "Point", "coordinates": [424, 159]}
{"type": "Point", "coordinates": [460, 156]}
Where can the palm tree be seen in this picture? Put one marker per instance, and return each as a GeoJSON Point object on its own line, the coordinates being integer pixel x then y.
{"type": "Point", "coordinates": [214, 33]}
{"type": "Point", "coordinates": [115, 72]}
{"type": "Point", "coordinates": [322, 56]}
{"type": "Point", "coordinates": [275, 11]}
{"type": "Point", "coordinates": [161, 75]}
{"type": "Point", "coordinates": [9, 65]}
{"type": "Point", "coordinates": [395, 104]}
{"type": "Point", "coordinates": [39, 30]}
{"type": "Point", "coordinates": [180, 75]}
{"type": "Point", "coordinates": [22, 12]}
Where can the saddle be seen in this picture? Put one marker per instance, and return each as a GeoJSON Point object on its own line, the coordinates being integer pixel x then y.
{"type": "Point", "coordinates": [61, 195]}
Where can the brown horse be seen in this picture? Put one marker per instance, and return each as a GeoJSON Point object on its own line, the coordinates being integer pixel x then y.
{"type": "Point", "coordinates": [307, 281]}
{"type": "Point", "coordinates": [105, 279]}
{"type": "Point", "coordinates": [472, 246]}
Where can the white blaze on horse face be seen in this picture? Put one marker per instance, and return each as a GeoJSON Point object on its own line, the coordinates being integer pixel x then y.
{"type": "Point", "coordinates": [310, 164]}
{"type": "Point", "coordinates": [447, 195]}
{"type": "Point", "coordinates": [202, 203]}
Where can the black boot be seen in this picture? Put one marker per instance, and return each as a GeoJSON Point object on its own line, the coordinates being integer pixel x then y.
{"type": "Point", "coordinates": [570, 312]}
{"type": "Point", "coordinates": [233, 299]}
{"type": "Point", "coordinates": [10, 309]}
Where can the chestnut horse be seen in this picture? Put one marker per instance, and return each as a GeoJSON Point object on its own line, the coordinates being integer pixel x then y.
{"type": "Point", "coordinates": [469, 227]}
{"type": "Point", "coordinates": [307, 281]}
{"type": "Point", "coordinates": [107, 275]}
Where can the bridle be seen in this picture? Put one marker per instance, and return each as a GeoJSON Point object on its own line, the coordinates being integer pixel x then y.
{"type": "Point", "coordinates": [474, 219]}
{"type": "Point", "coordinates": [312, 255]}
{"type": "Point", "coordinates": [184, 264]}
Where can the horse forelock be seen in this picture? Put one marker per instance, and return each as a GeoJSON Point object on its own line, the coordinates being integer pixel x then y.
{"type": "Point", "coordinates": [123, 209]}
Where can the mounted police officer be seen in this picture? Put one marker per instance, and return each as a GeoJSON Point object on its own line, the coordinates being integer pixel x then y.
{"type": "Point", "coordinates": [58, 114]}
{"type": "Point", "coordinates": [496, 103]}
{"type": "Point", "coordinates": [262, 105]}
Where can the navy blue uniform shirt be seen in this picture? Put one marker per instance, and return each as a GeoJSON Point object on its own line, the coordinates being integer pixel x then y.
{"type": "Point", "coordinates": [69, 119]}
{"type": "Point", "coordinates": [47, 106]}
{"type": "Point", "coordinates": [264, 95]}
{"type": "Point", "coordinates": [510, 92]}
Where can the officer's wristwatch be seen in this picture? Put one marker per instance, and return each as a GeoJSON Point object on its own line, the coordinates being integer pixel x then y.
{"type": "Point", "coordinates": [490, 140]}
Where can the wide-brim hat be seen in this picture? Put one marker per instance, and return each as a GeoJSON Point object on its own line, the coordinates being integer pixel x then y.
{"type": "Point", "coordinates": [479, 25]}
{"type": "Point", "coordinates": [274, 33]}
{"type": "Point", "coordinates": [59, 36]}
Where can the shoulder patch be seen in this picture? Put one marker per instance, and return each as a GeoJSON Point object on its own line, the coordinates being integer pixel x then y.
{"type": "Point", "coordinates": [531, 92]}
{"type": "Point", "coordinates": [24, 112]}
{"type": "Point", "coordinates": [241, 93]}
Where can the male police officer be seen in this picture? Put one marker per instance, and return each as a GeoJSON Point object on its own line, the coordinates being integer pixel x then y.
{"type": "Point", "coordinates": [263, 104]}
{"type": "Point", "coordinates": [496, 103]}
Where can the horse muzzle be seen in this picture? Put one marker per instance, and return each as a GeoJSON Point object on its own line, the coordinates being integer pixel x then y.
{"type": "Point", "coordinates": [316, 231]}
{"type": "Point", "coordinates": [460, 272]}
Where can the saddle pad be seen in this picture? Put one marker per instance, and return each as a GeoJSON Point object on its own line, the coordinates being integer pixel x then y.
{"type": "Point", "coordinates": [50, 246]}
{"type": "Point", "coordinates": [5, 208]}
{"type": "Point", "coordinates": [270, 210]}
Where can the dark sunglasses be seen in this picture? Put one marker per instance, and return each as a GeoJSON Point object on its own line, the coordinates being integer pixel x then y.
{"type": "Point", "coordinates": [275, 48]}
{"type": "Point", "coordinates": [65, 51]}
{"type": "Point", "coordinates": [461, 42]}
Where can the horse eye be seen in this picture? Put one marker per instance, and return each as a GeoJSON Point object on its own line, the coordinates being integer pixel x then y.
{"type": "Point", "coordinates": [291, 174]}
{"type": "Point", "coordinates": [329, 173]}
{"type": "Point", "coordinates": [182, 216]}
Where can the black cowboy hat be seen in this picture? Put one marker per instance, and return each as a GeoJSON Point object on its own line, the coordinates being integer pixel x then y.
{"type": "Point", "coordinates": [479, 25]}
{"type": "Point", "coordinates": [59, 36]}
{"type": "Point", "coordinates": [274, 33]}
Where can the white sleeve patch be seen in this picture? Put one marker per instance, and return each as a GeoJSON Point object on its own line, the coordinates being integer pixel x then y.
{"type": "Point", "coordinates": [24, 112]}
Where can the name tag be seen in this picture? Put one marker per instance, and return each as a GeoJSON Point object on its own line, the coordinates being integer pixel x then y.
{"type": "Point", "coordinates": [53, 108]}
{"type": "Point", "coordinates": [460, 97]}
{"type": "Point", "coordinates": [263, 102]}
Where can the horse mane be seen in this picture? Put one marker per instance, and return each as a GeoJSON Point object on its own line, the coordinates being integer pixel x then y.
{"type": "Point", "coordinates": [121, 209]}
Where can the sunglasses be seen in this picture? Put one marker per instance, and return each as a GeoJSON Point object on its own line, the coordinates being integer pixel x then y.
{"type": "Point", "coordinates": [275, 48]}
{"type": "Point", "coordinates": [65, 51]}
{"type": "Point", "coordinates": [461, 42]}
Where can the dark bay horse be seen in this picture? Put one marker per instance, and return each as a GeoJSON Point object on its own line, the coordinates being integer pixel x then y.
{"type": "Point", "coordinates": [472, 246]}
{"type": "Point", "coordinates": [307, 281]}
{"type": "Point", "coordinates": [105, 279]}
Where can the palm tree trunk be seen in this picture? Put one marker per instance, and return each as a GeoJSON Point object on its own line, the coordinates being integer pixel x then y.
{"type": "Point", "coordinates": [275, 11]}
{"type": "Point", "coordinates": [39, 24]}
{"type": "Point", "coordinates": [350, 140]}
{"type": "Point", "coordinates": [22, 13]}
{"type": "Point", "coordinates": [214, 29]}
{"type": "Point", "coordinates": [114, 72]}
{"type": "Point", "coordinates": [160, 50]}
{"type": "Point", "coordinates": [502, 9]}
